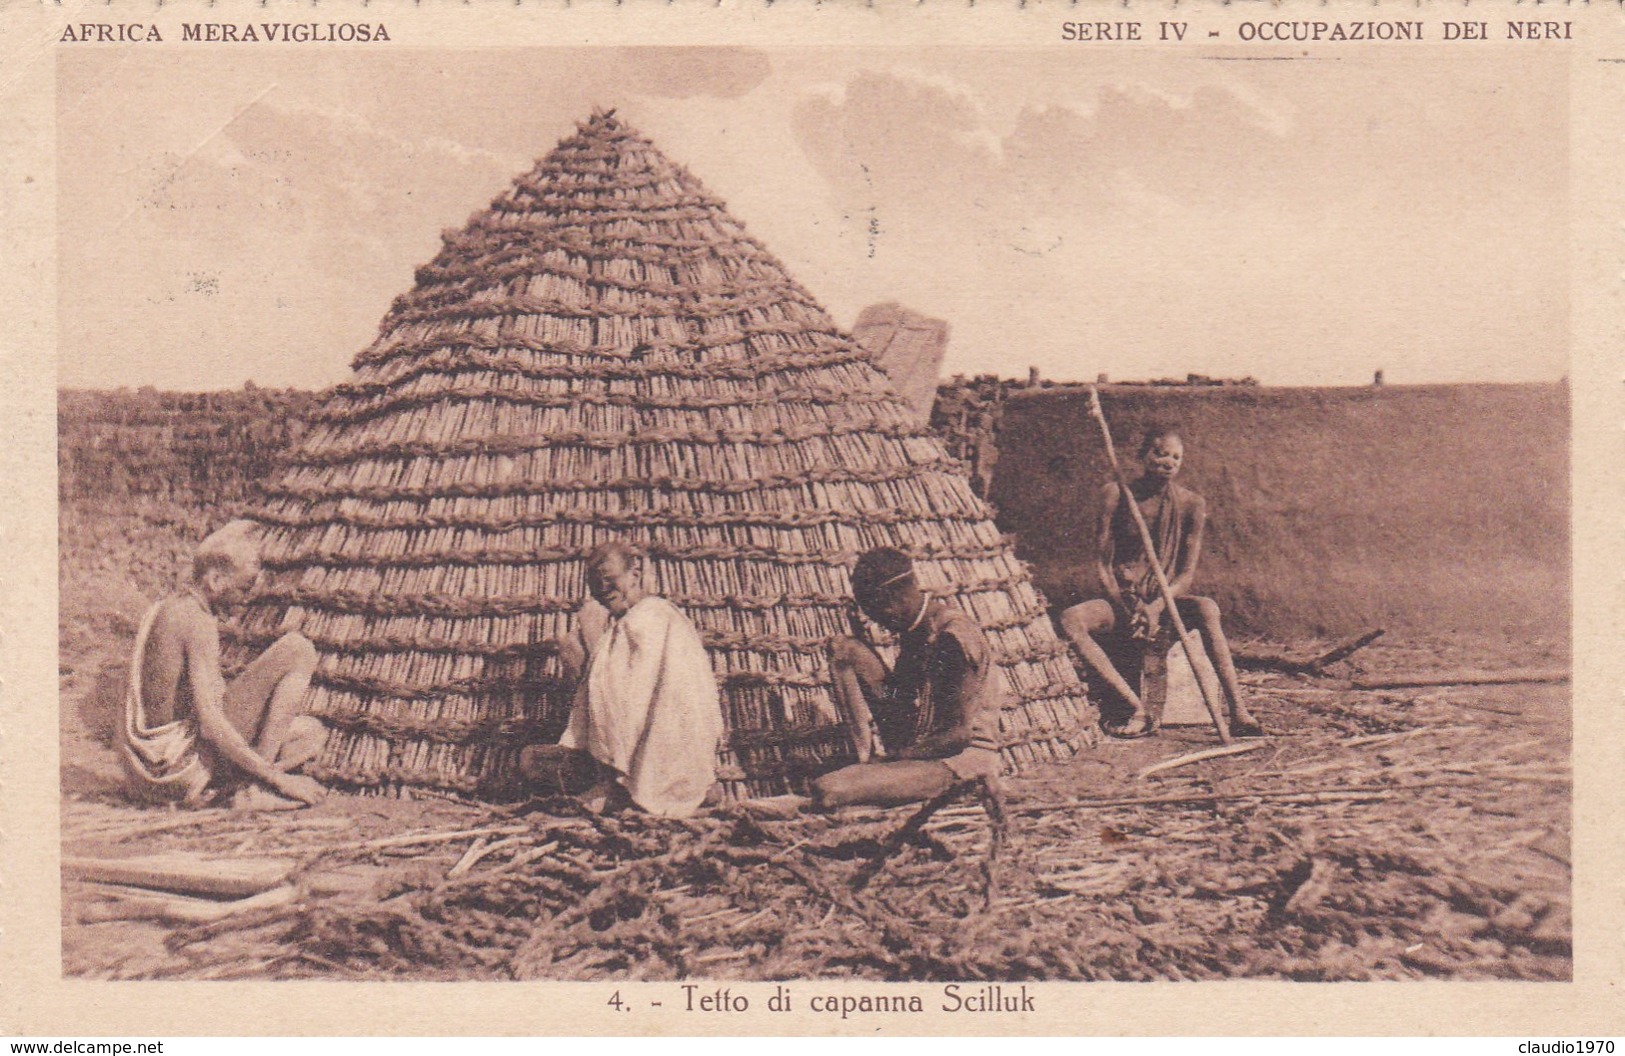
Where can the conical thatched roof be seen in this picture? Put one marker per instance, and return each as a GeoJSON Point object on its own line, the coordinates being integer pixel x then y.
{"type": "Point", "coordinates": [605, 353]}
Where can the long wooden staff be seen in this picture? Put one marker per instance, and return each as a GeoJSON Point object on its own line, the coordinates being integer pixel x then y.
{"type": "Point", "coordinates": [1213, 707]}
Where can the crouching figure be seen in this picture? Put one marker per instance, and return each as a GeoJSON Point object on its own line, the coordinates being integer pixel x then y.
{"type": "Point", "coordinates": [188, 735]}
{"type": "Point", "coordinates": [646, 717]}
{"type": "Point", "coordinates": [931, 721]}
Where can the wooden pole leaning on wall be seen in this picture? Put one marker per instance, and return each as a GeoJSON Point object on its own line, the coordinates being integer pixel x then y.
{"type": "Point", "coordinates": [1214, 708]}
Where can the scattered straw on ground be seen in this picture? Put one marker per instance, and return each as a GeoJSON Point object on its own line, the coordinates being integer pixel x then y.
{"type": "Point", "coordinates": [1378, 835]}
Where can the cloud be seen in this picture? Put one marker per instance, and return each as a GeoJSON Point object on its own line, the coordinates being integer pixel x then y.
{"type": "Point", "coordinates": [1123, 148]}
{"type": "Point", "coordinates": [1161, 216]}
{"type": "Point", "coordinates": [1213, 224]}
{"type": "Point", "coordinates": [682, 73]}
{"type": "Point", "coordinates": [1197, 149]}
{"type": "Point", "coordinates": [299, 223]}
{"type": "Point", "coordinates": [868, 144]}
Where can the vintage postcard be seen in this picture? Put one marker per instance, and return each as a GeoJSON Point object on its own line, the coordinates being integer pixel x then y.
{"type": "Point", "coordinates": [812, 519]}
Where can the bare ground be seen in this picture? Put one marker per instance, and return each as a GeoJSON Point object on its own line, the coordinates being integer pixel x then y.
{"type": "Point", "coordinates": [1378, 835]}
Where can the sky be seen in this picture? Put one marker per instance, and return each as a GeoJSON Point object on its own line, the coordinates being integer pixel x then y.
{"type": "Point", "coordinates": [1139, 214]}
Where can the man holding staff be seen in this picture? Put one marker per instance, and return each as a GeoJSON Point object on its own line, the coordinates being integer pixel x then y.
{"type": "Point", "coordinates": [1131, 597]}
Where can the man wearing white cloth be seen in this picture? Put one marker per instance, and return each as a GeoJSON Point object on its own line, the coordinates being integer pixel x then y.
{"type": "Point", "coordinates": [646, 718]}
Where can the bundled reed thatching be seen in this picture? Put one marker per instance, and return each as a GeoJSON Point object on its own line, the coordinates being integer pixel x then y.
{"type": "Point", "coordinates": [604, 353]}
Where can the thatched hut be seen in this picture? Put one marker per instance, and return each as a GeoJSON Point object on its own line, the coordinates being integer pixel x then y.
{"type": "Point", "coordinates": [605, 353]}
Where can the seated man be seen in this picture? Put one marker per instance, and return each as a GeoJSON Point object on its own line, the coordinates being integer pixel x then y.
{"type": "Point", "coordinates": [1130, 597]}
{"type": "Point", "coordinates": [187, 734]}
{"type": "Point", "coordinates": [647, 716]}
{"type": "Point", "coordinates": [930, 722]}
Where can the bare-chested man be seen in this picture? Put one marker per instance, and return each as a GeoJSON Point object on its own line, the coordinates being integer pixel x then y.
{"type": "Point", "coordinates": [188, 735]}
{"type": "Point", "coordinates": [1130, 597]}
{"type": "Point", "coordinates": [935, 715]}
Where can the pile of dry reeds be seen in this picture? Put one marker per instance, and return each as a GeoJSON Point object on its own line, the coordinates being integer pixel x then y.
{"type": "Point", "coordinates": [602, 354]}
{"type": "Point", "coordinates": [559, 893]}
{"type": "Point", "coordinates": [1360, 847]}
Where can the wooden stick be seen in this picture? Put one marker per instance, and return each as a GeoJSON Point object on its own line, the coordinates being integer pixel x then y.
{"type": "Point", "coordinates": [1395, 735]}
{"type": "Point", "coordinates": [1344, 651]}
{"type": "Point", "coordinates": [1474, 705]}
{"type": "Point", "coordinates": [1545, 835]}
{"type": "Point", "coordinates": [344, 880]}
{"type": "Point", "coordinates": [1302, 796]}
{"type": "Point", "coordinates": [415, 839]}
{"type": "Point", "coordinates": [1466, 678]}
{"type": "Point", "coordinates": [1301, 691]}
{"type": "Point", "coordinates": [904, 833]}
{"type": "Point", "coordinates": [522, 856]}
{"type": "Point", "coordinates": [1533, 779]}
{"type": "Point", "coordinates": [184, 818]}
{"type": "Point", "coordinates": [1250, 662]}
{"type": "Point", "coordinates": [1196, 757]}
{"type": "Point", "coordinates": [470, 856]}
{"type": "Point", "coordinates": [183, 910]}
{"type": "Point", "coordinates": [1377, 685]}
{"type": "Point", "coordinates": [221, 878]}
{"type": "Point", "coordinates": [1150, 546]}
{"type": "Point", "coordinates": [993, 802]}
{"type": "Point", "coordinates": [1307, 667]}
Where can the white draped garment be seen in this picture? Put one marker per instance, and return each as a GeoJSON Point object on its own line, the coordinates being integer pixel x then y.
{"type": "Point", "coordinates": [649, 708]}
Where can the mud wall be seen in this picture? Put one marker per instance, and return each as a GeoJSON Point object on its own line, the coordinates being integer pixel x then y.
{"type": "Point", "coordinates": [189, 448]}
{"type": "Point", "coordinates": [1331, 510]}
{"type": "Point", "coordinates": [1426, 508]}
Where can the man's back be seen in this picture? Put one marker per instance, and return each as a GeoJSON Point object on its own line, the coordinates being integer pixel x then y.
{"type": "Point", "coordinates": [166, 687]}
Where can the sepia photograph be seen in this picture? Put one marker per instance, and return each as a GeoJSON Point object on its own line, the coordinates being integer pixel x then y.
{"type": "Point", "coordinates": [953, 515]}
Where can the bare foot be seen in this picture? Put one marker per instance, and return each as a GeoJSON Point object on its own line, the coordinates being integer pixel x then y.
{"type": "Point", "coordinates": [606, 797]}
{"type": "Point", "coordinates": [787, 806]}
{"type": "Point", "coordinates": [1137, 726]}
{"type": "Point", "coordinates": [1246, 726]}
{"type": "Point", "coordinates": [256, 797]}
